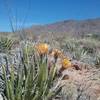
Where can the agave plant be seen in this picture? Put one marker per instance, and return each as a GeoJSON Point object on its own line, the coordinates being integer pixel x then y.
{"type": "Point", "coordinates": [5, 44]}
{"type": "Point", "coordinates": [79, 54]}
{"type": "Point", "coordinates": [33, 80]}
{"type": "Point", "coordinates": [70, 46]}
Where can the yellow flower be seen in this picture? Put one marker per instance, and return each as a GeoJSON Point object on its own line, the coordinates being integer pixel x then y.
{"type": "Point", "coordinates": [66, 63]}
{"type": "Point", "coordinates": [42, 48]}
{"type": "Point", "coordinates": [56, 53]}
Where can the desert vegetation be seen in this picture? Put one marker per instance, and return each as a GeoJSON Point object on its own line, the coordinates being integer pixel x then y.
{"type": "Point", "coordinates": [66, 69]}
{"type": "Point", "coordinates": [41, 60]}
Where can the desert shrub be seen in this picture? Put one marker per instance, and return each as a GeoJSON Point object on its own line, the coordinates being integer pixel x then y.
{"type": "Point", "coordinates": [70, 45]}
{"type": "Point", "coordinates": [97, 59]}
{"type": "Point", "coordinates": [84, 50]}
{"type": "Point", "coordinates": [89, 43]}
{"type": "Point", "coordinates": [75, 49]}
{"type": "Point", "coordinates": [33, 80]}
{"type": "Point", "coordinates": [88, 49]}
{"type": "Point", "coordinates": [79, 54]}
{"type": "Point", "coordinates": [96, 36]}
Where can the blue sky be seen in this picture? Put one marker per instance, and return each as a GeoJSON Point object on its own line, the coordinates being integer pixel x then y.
{"type": "Point", "coordinates": [45, 11]}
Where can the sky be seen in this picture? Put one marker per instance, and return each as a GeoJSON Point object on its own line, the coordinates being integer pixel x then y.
{"type": "Point", "coordinates": [24, 13]}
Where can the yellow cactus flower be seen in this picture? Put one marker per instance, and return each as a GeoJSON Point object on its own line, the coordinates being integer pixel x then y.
{"type": "Point", "coordinates": [66, 63]}
{"type": "Point", "coordinates": [42, 48]}
{"type": "Point", "coordinates": [56, 53]}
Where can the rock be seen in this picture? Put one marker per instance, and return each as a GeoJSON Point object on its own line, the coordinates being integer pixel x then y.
{"type": "Point", "coordinates": [81, 84]}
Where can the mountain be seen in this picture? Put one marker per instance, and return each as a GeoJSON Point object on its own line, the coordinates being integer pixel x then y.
{"type": "Point", "coordinates": [68, 27]}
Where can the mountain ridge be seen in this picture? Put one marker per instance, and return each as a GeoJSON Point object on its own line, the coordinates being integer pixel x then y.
{"type": "Point", "coordinates": [68, 27]}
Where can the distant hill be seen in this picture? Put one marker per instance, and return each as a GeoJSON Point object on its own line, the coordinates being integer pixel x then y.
{"type": "Point", "coordinates": [68, 27]}
{"type": "Point", "coordinates": [65, 28]}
